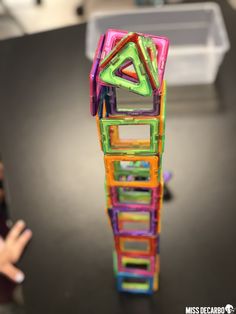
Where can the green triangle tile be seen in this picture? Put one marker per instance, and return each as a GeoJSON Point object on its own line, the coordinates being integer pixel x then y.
{"type": "Point", "coordinates": [149, 53]}
{"type": "Point", "coordinates": [128, 53]}
{"type": "Point", "coordinates": [126, 39]}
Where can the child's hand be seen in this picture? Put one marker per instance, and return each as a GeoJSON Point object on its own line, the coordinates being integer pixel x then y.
{"type": "Point", "coordinates": [11, 249]}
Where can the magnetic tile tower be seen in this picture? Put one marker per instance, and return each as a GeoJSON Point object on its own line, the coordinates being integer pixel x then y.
{"type": "Point", "coordinates": [134, 180]}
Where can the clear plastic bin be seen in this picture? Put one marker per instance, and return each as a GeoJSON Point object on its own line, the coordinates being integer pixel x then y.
{"type": "Point", "coordinates": [197, 33]}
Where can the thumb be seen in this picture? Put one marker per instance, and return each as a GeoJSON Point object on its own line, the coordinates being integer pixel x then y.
{"type": "Point", "coordinates": [13, 273]}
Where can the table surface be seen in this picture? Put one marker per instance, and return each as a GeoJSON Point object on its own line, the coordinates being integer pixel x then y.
{"type": "Point", "coordinates": [54, 177]}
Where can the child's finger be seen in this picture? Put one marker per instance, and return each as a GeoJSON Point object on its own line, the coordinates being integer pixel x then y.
{"type": "Point", "coordinates": [23, 240]}
{"type": "Point", "coordinates": [13, 273]}
{"type": "Point", "coordinates": [16, 231]}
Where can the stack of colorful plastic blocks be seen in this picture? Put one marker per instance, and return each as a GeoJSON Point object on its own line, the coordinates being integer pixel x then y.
{"type": "Point", "coordinates": [134, 180]}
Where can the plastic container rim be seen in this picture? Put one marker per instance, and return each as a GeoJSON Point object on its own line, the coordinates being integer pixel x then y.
{"type": "Point", "coordinates": [165, 8]}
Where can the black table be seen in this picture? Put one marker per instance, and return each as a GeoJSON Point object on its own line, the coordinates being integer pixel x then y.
{"type": "Point", "coordinates": [54, 173]}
